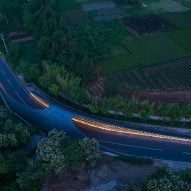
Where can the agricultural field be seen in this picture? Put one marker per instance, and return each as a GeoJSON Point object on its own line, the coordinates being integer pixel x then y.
{"type": "Point", "coordinates": [167, 76]}
{"type": "Point", "coordinates": [125, 39]}
{"type": "Point", "coordinates": [120, 39]}
{"type": "Point", "coordinates": [146, 51]}
{"type": "Point", "coordinates": [147, 24]}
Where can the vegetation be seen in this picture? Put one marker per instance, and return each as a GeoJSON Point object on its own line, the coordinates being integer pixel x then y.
{"type": "Point", "coordinates": [24, 169]}
{"type": "Point", "coordinates": [64, 56]}
{"type": "Point", "coordinates": [163, 179]}
{"type": "Point", "coordinates": [135, 160]}
{"type": "Point", "coordinates": [118, 104]}
{"type": "Point", "coordinates": [14, 135]}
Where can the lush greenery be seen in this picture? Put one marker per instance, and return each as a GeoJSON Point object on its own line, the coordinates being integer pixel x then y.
{"type": "Point", "coordinates": [145, 109]}
{"type": "Point", "coordinates": [64, 57]}
{"type": "Point", "coordinates": [24, 169]}
{"type": "Point", "coordinates": [14, 135]}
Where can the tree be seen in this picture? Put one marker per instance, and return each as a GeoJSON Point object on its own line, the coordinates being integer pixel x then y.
{"type": "Point", "coordinates": [54, 90]}
{"type": "Point", "coordinates": [166, 180]}
{"type": "Point", "coordinates": [49, 151]}
{"type": "Point", "coordinates": [30, 71]}
{"type": "Point", "coordinates": [89, 153]}
{"type": "Point", "coordinates": [93, 107]}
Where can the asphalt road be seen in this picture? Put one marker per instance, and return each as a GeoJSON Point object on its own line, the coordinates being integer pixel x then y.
{"type": "Point", "coordinates": [13, 87]}
{"type": "Point", "coordinates": [139, 146]}
{"type": "Point", "coordinates": [57, 116]}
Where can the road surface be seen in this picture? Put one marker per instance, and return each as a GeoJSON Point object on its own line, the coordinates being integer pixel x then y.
{"type": "Point", "coordinates": [124, 138]}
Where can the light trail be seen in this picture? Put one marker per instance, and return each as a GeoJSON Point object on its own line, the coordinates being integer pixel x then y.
{"type": "Point", "coordinates": [116, 129]}
{"type": "Point", "coordinates": [39, 100]}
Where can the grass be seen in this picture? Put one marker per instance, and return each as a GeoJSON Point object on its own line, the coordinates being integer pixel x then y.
{"type": "Point", "coordinates": [138, 161]}
{"type": "Point", "coordinates": [179, 19]}
{"type": "Point", "coordinates": [186, 3]}
{"type": "Point", "coordinates": [182, 37]}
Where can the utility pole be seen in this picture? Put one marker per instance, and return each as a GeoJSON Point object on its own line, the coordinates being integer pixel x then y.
{"type": "Point", "coordinates": [4, 43]}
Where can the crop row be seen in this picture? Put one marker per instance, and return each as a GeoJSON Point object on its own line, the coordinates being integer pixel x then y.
{"type": "Point", "coordinates": [177, 76]}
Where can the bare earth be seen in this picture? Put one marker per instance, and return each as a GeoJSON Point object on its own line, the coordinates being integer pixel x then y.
{"type": "Point", "coordinates": [181, 97]}
{"type": "Point", "coordinates": [107, 175]}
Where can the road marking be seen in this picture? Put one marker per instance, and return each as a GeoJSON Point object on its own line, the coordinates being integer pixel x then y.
{"type": "Point", "coordinates": [9, 82]}
{"type": "Point", "coordinates": [2, 71]}
{"type": "Point", "coordinates": [20, 97]}
{"type": "Point", "coordinates": [186, 153]}
{"type": "Point", "coordinates": [148, 148]}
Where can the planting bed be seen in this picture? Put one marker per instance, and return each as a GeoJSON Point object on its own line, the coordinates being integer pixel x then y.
{"type": "Point", "coordinates": [147, 24]}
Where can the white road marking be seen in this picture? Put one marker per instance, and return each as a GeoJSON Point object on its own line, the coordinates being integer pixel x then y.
{"type": "Point", "coordinates": [148, 148]}
{"type": "Point", "coordinates": [20, 97]}
{"type": "Point", "coordinates": [9, 82]}
{"type": "Point", "coordinates": [186, 153]}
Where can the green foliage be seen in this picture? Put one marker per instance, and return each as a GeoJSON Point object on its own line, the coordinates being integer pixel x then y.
{"type": "Point", "coordinates": [57, 151]}
{"type": "Point", "coordinates": [181, 37]}
{"type": "Point", "coordinates": [50, 153]}
{"type": "Point", "coordinates": [145, 109]}
{"type": "Point", "coordinates": [93, 107]}
{"type": "Point", "coordinates": [30, 71]}
{"type": "Point", "coordinates": [57, 78]}
{"type": "Point", "coordinates": [166, 180]}
{"type": "Point", "coordinates": [186, 175]}
{"type": "Point", "coordinates": [30, 178]}
{"type": "Point", "coordinates": [13, 12]}
{"type": "Point", "coordinates": [101, 40]}
{"type": "Point", "coordinates": [89, 152]}
{"type": "Point", "coordinates": [13, 133]}
{"type": "Point", "coordinates": [13, 160]}
{"type": "Point", "coordinates": [159, 46]}
{"type": "Point", "coordinates": [179, 19]}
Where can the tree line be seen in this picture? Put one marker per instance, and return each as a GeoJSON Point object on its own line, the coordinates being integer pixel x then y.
{"type": "Point", "coordinates": [145, 109]}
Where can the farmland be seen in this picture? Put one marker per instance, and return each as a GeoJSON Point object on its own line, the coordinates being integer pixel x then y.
{"type": "Point", "coordinates": [166, 76]}
{"type": "Point", "coordinates": [159, 46]}
{"type": "Point", "coordinates": [121, 44]}
{"type": "Point", "coordinates": [117, 38]}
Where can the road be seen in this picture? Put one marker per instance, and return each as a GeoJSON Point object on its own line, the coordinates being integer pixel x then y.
{"type": "Point", "coordinates": [124, 138]}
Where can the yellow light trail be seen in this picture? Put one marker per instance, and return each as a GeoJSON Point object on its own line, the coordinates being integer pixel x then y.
{"type": "Point", "coordinates": [39, 100]}
{"type": "Point", "coordinates": [116, 129]}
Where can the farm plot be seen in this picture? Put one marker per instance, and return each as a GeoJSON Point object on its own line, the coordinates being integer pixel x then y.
{"type": "Point", "coordinates": [98, 6]}
{"type": "Point", "coordinates": [147, 24]}
{"type": "Point", "coordinates": [103, 11]}
{"type": "Point", "coordinates": [146, 51]}
{"type": "Point", "coordinates": [67, 5]}
{"type": "Point", "coordinates": [175, 75]}
{"type": "Point", "coordinates": [179, 19]}
{"type": "Point", "coordinates": [181, 37]}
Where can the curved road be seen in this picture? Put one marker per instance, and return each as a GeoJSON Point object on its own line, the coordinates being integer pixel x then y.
{"type": "Point", "coordinates": [125, 138]}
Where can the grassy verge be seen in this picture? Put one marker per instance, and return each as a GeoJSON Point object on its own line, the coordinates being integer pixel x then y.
{"type": "Point", "coordinates": [135, 160]}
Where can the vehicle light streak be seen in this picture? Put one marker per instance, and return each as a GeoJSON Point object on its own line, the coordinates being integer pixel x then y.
{"type": "Point", "coordinates": [39, 100]}
{"type": "Point", "coordinates": [121, 130]}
